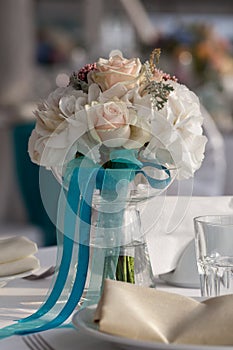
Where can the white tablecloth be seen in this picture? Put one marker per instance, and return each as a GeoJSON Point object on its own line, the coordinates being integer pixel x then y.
{"type": "Point", "coordinates": [19, 298]}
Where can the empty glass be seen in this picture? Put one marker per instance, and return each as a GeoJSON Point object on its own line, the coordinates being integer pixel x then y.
{"type": "Point", "coordinates": [214, 253]}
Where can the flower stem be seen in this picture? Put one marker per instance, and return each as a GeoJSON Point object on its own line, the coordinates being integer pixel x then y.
{"type": "Point", "coordinates": [124, 270]}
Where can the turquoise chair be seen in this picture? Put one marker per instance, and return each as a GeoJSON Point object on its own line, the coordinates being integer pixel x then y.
{"type": "Point", "coordinates": [28, 180]}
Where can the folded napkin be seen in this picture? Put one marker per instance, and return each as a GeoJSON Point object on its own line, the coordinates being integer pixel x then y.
{"type": "Point", "coordinates": [16, 256]}
{"type": "Point", "coordinates": [143, 313]}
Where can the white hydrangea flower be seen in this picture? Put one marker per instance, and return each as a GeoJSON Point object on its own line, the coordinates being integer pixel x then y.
{"type": "Point", "coordinates": [177, 131]}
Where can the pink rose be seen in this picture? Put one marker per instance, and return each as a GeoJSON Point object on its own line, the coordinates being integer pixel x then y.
{"type": "Point", "coordinates": [115, 125]}
{"type": "Point", "coordinates": [109, 123]}
{"type": "Point", "coordinates": [116, 70]}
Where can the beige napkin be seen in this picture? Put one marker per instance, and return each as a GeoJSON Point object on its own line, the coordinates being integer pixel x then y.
{"type": "Point", "coordinates": [16, 256]}
{"type": "Point", "coordinates": [147, 314]}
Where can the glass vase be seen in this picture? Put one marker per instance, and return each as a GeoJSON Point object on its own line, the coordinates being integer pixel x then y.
{"type": "Point", "coordinates": [117, 246]}
{"type": "Point", "coordinates": [130, 261]}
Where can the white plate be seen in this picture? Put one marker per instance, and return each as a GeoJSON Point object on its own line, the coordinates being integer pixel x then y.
{"type": "Point", "coordinates": [83, 319]}
{"type": "Point", "coordinates": [5, 279]}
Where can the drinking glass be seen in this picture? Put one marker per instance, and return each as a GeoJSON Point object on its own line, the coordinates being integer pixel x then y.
{"type": "Point", "coordinates": [214, 253]}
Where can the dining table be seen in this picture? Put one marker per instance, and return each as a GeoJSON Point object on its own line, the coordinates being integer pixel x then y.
{"type": "Point", "coordinates": [21, 297]}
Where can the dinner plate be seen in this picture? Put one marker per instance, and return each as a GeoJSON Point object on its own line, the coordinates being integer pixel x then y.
{"type": "Point", "coordinates": [83, 320]}
{"type": "Point", "coordinates": [5, 279]}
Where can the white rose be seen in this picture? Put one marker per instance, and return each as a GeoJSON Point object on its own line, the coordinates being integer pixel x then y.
{"type": "Point", "coordinates": [57, 148]}
{"type": "Point", "coordinates": [60, 120]}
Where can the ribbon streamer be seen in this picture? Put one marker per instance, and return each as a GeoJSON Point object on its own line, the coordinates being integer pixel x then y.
{"type": "Point", "coordinates": [84, 177]}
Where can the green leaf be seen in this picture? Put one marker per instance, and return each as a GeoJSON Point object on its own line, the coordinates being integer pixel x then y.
{"type": "Point", "coordinates": [77, 83]}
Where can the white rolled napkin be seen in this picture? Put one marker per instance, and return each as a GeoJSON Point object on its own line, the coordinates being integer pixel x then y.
{"type": "Point", "coordinates": [17, 255]}
{"type": "Point", "coordinates": [146, 314]}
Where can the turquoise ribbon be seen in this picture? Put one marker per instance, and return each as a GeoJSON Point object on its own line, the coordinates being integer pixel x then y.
{"type": "Point", "coordinates": [68, 243]}
{"type": "Point", "coordinates": [83, 177]}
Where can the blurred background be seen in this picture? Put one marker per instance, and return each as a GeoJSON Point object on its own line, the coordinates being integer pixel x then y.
{"type": "Point", "coordinates": [43, 41]}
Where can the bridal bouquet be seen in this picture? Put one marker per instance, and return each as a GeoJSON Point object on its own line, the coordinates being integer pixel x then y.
{"type": "Point", "coordinates": [120, 103]}
{"type": "Point", "coordinates": [117, 113]}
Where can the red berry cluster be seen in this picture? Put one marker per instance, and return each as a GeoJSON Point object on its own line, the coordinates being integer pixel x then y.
{"type": "Point", "coordinates": [82, 73]}
{"type": "Point", "coordinates": [167, 76]}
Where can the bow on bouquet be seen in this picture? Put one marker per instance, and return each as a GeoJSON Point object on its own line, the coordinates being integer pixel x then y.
{"type": "Point", "coordinates": [115, 119]}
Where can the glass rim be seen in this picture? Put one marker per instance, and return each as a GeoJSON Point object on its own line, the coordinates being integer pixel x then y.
{"type": "Point", "coordinates": [214, 219]}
